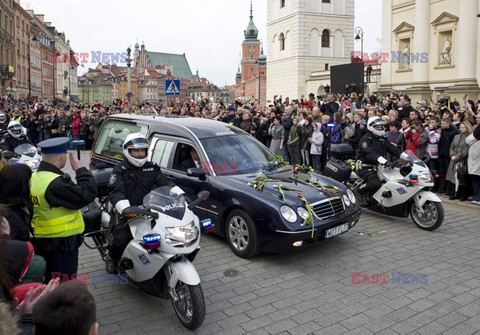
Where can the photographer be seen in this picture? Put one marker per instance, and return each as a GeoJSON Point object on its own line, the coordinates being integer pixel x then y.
{"type": "Point", "coordinates": [330, 107]}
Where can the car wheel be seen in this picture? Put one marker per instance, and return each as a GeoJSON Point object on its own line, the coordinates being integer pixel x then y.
{"type": "Point", "coordinates": [242, 234]}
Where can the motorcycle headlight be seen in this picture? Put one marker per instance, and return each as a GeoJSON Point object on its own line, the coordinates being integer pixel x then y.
{"type": "Point", "coordinates": [351, 196]}
{"type": "Point", "coordinates": [33, 164]}
{"type": "Point", "coordinates": [288, 214]}
{"type": "Point", "coordinates": [181, 236]}
{"type": "Point", "coordinates": [302, 212]}
{"type": "Point", "coordinates": [346, 200]}
{"type": "Point", "coordinates": [426, 176]}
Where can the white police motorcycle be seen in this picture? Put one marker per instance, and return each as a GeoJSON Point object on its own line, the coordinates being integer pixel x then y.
{"type": "Point", "coordinates": [158, 260]}
{"type": "Point", "coordinates": [404, 189]}
{"type": "Point", "coordinates": [24, 154]}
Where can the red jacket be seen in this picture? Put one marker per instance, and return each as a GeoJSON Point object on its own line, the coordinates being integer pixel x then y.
{"type": "Point", "coordinates": [416, 142]}
{"type": "Point", "coordinates": [77, 122]}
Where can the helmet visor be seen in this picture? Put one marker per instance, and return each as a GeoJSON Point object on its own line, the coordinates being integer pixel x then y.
{"type": "Point", "coordinates": [136, 143]}
{"type": "Point", "coordinates": [16, 129]}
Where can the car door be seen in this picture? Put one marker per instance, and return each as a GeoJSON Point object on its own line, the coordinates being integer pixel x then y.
{"type": "Point", "coordinates": [163, 153]}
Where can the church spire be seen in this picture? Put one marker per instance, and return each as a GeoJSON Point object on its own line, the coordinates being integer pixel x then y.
{"type": "Point", "coordinates": [251, 33]}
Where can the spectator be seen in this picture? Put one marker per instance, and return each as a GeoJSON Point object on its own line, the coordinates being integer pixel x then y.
{"type": "Point", "coordinates": [406, 124]}
{"type": "Point", "coordinates": [306, 133]}
{"type": "Point", "coordinates": [456, 173]}
{"type": "Point", "coordinates": [278, 136]}
{"type": "Point", "coordinates": [294, 143]}
{"type": "Point", "coordinates": [69, 309]}
{"type": "Point", "coordinates": [473, 142]}
{"type": "Point", "coordinates": [360, 130]}
{"type": "Point", "coordinates": [247, 123]}
{"type": "Point", "coordinates": [435, 132]}
{"type": "Point", "coordinates": [316, 144]}
{"type": "Point", "coordinates": [446, 138]}
{"type": "Point", "coordinates": [404, 108]}
{"type": "Point", "coordinates": [331, 106]}
{"type": "Point", "coordinates": [417, 138]}
{"type": "Point", "coordinates": [316, 115]}
{"type": "Point", "coordinates": [327, 134]}
{"type": "Point", "coordinates": [336, 132]}
{"type": "Point", "coordinates": [15, 195]}
{"type": "Point", "coordinates": [394, 135]}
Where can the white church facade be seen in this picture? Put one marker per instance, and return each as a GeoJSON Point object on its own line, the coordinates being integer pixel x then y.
{"type": "Point", "coordinates": [305, 37]}
{"type": "Point", "coordinates": [440, 40]}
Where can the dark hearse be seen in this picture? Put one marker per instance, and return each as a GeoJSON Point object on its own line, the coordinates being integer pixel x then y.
{"type": "Point", "coordinates": [274, 211]}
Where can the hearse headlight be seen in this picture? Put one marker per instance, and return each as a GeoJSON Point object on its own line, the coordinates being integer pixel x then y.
{"type": "Point", "coordinates": [351, 196]}
{"type": "Point", "coordinates": [288, 214]}
{"type": "Point", "coordinates": [346, 200]}
{"type": "Point", "coordinates": [302, 212]}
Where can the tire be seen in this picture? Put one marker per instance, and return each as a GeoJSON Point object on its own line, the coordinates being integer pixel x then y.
{"type": "Point", "coordinates": [190, 308]}
{"type": "Point", "coordinates": [241, 234]}
{"type": "Point", "coordinates": [435, 211]}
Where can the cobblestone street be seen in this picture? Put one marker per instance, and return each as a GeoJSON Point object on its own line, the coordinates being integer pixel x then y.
{"type": "Point", "coordinates": [311, 292]}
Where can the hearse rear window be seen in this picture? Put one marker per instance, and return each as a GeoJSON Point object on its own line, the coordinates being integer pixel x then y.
{"type": "Point", "coordinates": [110, 140]}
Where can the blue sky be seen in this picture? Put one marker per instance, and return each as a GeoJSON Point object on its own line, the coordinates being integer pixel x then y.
{"type": "Point", "coordinates": [210, 32]}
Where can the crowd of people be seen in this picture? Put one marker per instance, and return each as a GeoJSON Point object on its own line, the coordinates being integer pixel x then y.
{"type": "Point", "coordinates": [445, 134]}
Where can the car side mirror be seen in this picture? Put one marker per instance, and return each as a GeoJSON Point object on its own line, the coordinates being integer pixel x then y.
{"type": "Point", "coordinates": [196, 172]}
{"type": "Point", "coordinates": [7, 154]}
{"type": "Point", "coordinates": [134, 211]}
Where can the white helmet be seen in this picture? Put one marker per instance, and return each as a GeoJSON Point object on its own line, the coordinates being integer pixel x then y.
{"type": "Point", "coordinates": [135, 141]}
{"type": "Point", "coordinates": [3, 118]}
{"type": "Point", "coordinates": [15, 129]}
{"type": "Point", "coordinates": [377, 126]}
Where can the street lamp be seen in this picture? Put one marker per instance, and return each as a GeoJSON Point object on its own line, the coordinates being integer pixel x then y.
{"type": "Point", "coordinates": [129, 79]}
{"type": "Point", "coordinates": [359, 36]}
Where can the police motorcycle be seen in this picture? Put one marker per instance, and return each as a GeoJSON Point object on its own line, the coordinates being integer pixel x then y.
{"type": "Point", "coordinates": [24, 154]}
{"type": "Point", "coordinates": [404, 190]}
{"type": "Point", "coordinates": [158, 260]}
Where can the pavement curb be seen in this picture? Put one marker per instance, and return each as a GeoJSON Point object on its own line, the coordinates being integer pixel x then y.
{"type": "Point", "coordinates": [458, 203]}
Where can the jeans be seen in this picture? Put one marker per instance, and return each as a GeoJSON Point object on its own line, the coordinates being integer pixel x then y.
{"type": "Point", "coordinates": [306, 157]}
{"type": "Point", "coordinates": [317, 161]}
{"type": "Point", "coordinates": [476, 187]}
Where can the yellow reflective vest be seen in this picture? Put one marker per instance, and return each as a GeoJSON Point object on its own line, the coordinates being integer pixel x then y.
{"type": "Point", "coordinates": [50, 222]}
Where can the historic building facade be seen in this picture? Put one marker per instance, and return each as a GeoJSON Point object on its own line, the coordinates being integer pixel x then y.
{"type": "Point", "coordinates": [7, 48]}
{"type": "Point", "coordinates": [432, 47]}
{"type": "Point", "coordinates": [251, 78]}
{"type": "Point", "coordinates": [306, 36]}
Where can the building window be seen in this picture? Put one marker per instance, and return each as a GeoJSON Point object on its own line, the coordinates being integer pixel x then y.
{"type": "Point", "coordinates": [282, 3]}
{"type": "Point", "coordinates": [326, 39]}
{"type": "Point", "coordinates": [282, 42]}
{"type": "Point", "coordinates": [326, 1]}
{"type": "Point", "coordinates": [326, 66]}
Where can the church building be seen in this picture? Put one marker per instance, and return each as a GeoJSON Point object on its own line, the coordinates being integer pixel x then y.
{"type": "Point", "coordinates": [304, 37]}
{"type": "Point", "coordinates": [251, 77]}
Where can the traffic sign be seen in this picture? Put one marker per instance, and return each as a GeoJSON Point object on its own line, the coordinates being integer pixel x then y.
{"type": "Point", "coordinates": [172, 87]}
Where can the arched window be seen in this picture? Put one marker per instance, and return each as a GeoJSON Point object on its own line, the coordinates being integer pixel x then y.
{"type": "Point", "coordinates": [325, 38]}
{"type": "Point", "coordinates": [281, 39]}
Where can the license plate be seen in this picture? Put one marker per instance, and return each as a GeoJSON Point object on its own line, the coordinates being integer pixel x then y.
{"type": "Point", "coordinates": [336, 230]}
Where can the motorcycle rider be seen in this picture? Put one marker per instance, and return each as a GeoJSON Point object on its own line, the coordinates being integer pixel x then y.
{"type": "Point", "coordinates": [130, 182]}
{"type": "Point", "coordinates": [373, 148]}
{"type": "Point", "coordinates": [3, 123]}
{"type": "Point", "coordinates": [14, 137]}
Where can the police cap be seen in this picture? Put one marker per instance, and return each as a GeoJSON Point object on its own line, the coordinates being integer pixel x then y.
{"type": "Point", "coordinates": [56, 145]}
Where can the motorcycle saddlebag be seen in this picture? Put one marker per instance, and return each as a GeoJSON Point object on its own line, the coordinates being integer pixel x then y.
{"type": "Point", "coordinates": [338, 170]}
{"type": "Point", "coordinates": [92, 216]}
{"type": "Point", "coordinates": [342, 151]}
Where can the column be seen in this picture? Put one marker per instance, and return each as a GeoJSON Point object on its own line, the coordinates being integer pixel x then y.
{"type": "Point", "coordinates": [386, 79]}
{"type": "Point", "coordinates": [467, 36]}
{"type": "Point", "coordinates": [421, 42]}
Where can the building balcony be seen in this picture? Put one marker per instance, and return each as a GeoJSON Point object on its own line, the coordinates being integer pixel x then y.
{"type": "Point", "coordinates": [5, 35]}
{"type": "Point", "coordinates": [7, 71]}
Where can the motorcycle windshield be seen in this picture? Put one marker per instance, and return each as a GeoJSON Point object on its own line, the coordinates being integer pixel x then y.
{"type": "Point", "coordinates": [26, 149]}
{"type": "Point", "coordinates": [160, 200]}
{"type": "Point", "coordinates": [410, 157]}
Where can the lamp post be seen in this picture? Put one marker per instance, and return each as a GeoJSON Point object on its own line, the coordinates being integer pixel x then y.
{"type": "Point", "coordinates": [359, 36]}
{"type": "Point", "coordinates": [129, 78]}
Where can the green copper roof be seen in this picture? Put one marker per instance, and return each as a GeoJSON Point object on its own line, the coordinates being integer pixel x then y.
{"type": "Point", "coordinates": [181, 69]}
{"type": "Point", "coordinates": [251, 33]}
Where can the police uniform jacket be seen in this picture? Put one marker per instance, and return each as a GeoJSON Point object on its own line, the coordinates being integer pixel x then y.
{"type": "Point", "coordinates": [63, 192]}
{"type": "Point", "coordinates": [372, 147]}
{"type": "Point", "coordinates": [8, 142]}
{"type": "Point", "coordinates": [132, 183]}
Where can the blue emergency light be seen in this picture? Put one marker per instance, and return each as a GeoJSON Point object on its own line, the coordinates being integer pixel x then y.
{"type": "Point", "coordinates": [207, 225]}
{"type": "Point", "coordinates": [151, 241]}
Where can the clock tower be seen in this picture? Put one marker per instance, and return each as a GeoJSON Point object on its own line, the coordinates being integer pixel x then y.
{"type": "Point", "coordinates": [250, 49]}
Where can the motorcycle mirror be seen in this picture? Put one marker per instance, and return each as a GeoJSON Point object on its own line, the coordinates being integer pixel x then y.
{"type": "Point", "coordinates": [405, 170]}
{"type": "Point", "coordinates": [134, 211]}
{"type": "Point", "coordinates": [204, 195]}
{"type": "Point", "coordinates": [7, 154]}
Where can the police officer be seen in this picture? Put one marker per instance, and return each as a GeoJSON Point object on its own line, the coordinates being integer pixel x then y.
{"type": "Point", "coordinates": [373, 148]}
{"type": "Point", "coordinates": [130, 182]}
{"type": "Point", "coordinates": [57, 220]}
{"type": "Point", "coordinates": [3, 124]}
{"type": "Point", "coordinates": [14, 137]}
